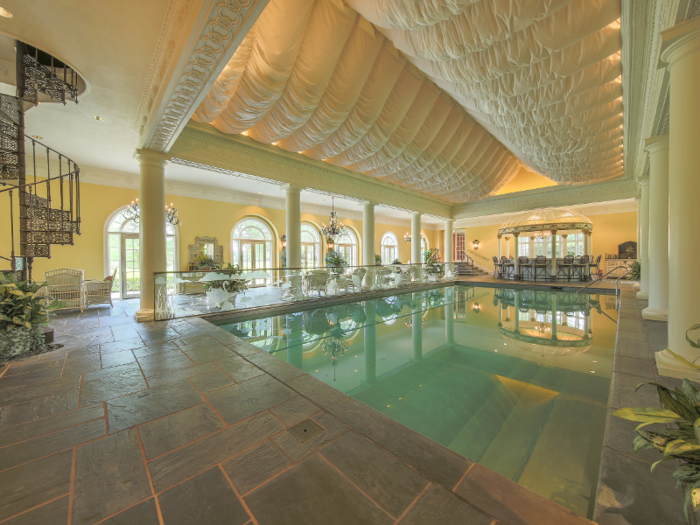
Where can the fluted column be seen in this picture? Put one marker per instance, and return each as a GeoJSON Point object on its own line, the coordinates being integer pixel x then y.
{"type": "Point", "coordinates": [499, 247]}
{"type": "Point", "coordinates": [151, 226]}
{"type": "Point", "coordinates": [681, 51]}
{"type": "Point", "coordinates": [293, 225]}
{"type": "Point", "coordinates": [368, 233]}
{"type": "Point", "coordinates": [643, 246]}
{"type": "Point", "coordinates": [657, 147]}
{"type": "Point", "coordinates": [416, 256]}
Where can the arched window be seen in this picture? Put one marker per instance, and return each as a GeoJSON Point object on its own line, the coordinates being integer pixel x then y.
{"type": "Point", "coordinates": [346, 245]}
{"type": "Point", "coordinates": [390, 248]}
{"type": "Point", "coordinates": [310, 246]}
{"type": "Point", "coordinates": [424, 244]}
{"type": "Point", "coordinates": [251, 246]}
{"type": "Point", "coordinates": [122, 252]}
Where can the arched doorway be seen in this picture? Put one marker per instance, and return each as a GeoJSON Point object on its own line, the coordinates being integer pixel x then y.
{"type": "Point", "coordinates": [346, 245]}
{"type": "Point", "coordinates": [390, 248]}
{"type": "Point", "coordinates": [251, 246]}
{"type": "Point", "coordinates": [310, 246]}
{"type": "Point", "coordinates": [122, 250]}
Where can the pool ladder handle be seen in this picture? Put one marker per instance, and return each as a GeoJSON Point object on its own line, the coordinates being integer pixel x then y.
{"type": "Point", "coordinates": [617, 281]}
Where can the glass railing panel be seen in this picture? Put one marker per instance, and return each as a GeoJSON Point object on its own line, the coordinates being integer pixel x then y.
{"type": "Point", "coordinates": [190, 293]}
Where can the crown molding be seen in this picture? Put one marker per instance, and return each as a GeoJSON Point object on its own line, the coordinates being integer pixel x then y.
{"type": "Point", "coordinates": [203, 145]}
{"type": "Point", "coordinates": [597, 208]}
{"type": "Point", "coordinates": [551, 196]}
{"type": "Point", "coordinates": [196, 42]}
{"type": "Point", "coordinates": [120, 179]}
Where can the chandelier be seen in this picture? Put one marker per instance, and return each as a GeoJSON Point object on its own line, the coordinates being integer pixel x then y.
{"type": "Point", "coordinates": [335, 227]}
{"type": "Point", "coordinates": [542, 235]}
{"type": "Point", "coordinates": [407, 237]}
{"type": "Point", "coordinates": [132, 212]}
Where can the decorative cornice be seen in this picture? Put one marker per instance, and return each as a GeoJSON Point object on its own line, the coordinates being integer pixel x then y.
{"type": "Point", "coordinates": [223, 26]}
{"type": "Point", "coordinates": [549, 197]}
{"type": "Point", "coordinates": [203, 144]}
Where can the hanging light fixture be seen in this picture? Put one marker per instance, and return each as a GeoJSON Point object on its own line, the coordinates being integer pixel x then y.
{"type": "Point", "coordinates": [407, 237]}
{"type": "Point", "coordinates": [132, 212]}
{"type": "Point", "coordinates": [335, 228]}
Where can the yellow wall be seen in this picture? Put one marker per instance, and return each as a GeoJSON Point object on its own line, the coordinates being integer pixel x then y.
{"type": "Point", "coordinates": [199, 218]}
{"type": "Point", "coordinates": [526, 180]}
{"type": "Point", "coordinates": [609, 230]}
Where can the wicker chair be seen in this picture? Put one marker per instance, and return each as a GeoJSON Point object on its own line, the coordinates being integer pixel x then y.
{"type": "Point", "coordinates": [316, 281]}
{"type": "Point", "coordinates": [353, 284]}
{"type": "Point", "coordinates": [66, 285]}
{"type": "Point", "coordinates": [382, 277]}
{"type": "Point", "coordinates": [99, 292]}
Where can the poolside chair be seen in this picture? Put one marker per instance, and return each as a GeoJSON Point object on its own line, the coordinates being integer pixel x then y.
{"type": "Point", "coordinates": [581, 268]}
{"type": "Point", "coordinates": [316, 281]}
{"type": "Point", "coordinates": [354, 280]}
{"type": "Point", "coordinates": [66, 285]}
{"type": "Point", "coordinates": [382, 277]}
{"type": "Point", "coordinates": [497, 268]}
{"type": "Point", "coordinates": [566, 267]}
{"type": "Point", "coordinates": [595, 265]}
{"type": "Point", "coordinates": [541, 267]}
{"type": "Point", "coordinates": [99, 292]}
{"type": "Point", "coordinates": [526, 266]}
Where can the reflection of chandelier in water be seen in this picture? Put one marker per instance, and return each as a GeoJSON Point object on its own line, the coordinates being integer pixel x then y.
{"type": "Point", "coordinates": [336, 346]}
{"type": "Point", "coordinates": [542, 328]}
{"type": "Point", "coordinates": [335, 227]}
{"type": "Point", "coordinates": [132, 212]}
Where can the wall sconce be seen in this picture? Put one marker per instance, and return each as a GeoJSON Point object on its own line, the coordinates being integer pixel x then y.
{"type": "Point", "coordinates": [476, 308]}
{"type": "Point", "coordinates": [475, 244]}
{"type": "Point", "coordinates": [407, 237]}
{"type": "Point", "coordinates": [284, 241]}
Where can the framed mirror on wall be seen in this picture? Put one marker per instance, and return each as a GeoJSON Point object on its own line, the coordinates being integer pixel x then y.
{"type": "Point", "coordinates": [204, 248]}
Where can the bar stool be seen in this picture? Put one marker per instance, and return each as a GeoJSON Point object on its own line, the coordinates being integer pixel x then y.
{"type": "Point", "coordinates": [526, 265]}
{"type": "Point", "coordinates": [505, 267]}
{"type": "Point", "coordinates": [595, 265]}
{"type": "Point", "coordinates": [566, 267]}
{"type": "Point", "coordinates": [497, 268]}
{"type": "Point", "coordinates": [582, 267]}
{"type": "Point", "coordinates": [540, 267]}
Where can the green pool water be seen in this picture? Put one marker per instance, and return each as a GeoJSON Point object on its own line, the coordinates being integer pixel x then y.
{"type": "Point", "coordinates": [516, 380]}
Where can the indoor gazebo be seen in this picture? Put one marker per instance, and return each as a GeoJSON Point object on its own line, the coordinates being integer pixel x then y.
{"type": "Point", "coordinates": [550, 244]}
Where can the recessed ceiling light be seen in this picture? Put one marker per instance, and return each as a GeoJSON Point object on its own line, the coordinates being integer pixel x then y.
{"type": "Point", "coordinates": [37, 137]}
{"type": "Point", "coordinates": [4, 12]}
{"type": "Point", "coordinates": [97, 118]}
{"type": "Point", "coordinates": [260, 193]}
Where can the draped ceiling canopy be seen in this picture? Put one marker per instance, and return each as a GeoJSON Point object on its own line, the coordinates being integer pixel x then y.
{"type": "Point", "coordinates": [447, 97]}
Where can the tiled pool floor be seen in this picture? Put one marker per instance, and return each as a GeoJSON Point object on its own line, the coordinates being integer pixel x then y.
{"type": "Point", "coordinates": [182, 422]}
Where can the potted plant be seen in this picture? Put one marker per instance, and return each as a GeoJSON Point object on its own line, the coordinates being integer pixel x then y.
{"type": "Point", "coordinates": [377, 260]}
{"type": "Point", "coordinates": [335, 261]}
{"type": "Point", "coordinates": [204, 262]}
{"type": "Point", "coordinates": [432, 267]}
{"type": "Point", "coordinates": [222, 287]}
{"type": "Point", "coordinates": [23, 314]}
{"type": "Point", "coordinates": [635, 271]}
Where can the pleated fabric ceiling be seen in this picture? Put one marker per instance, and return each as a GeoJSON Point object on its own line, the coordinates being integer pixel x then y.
{"type": "Point", "coordinates": [446, 97]}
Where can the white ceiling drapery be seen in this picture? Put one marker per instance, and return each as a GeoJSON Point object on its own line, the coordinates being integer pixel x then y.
{"type": "Point", "coordinates": [446, 97]}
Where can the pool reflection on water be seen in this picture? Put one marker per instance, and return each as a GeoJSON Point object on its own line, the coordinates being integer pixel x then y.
{"type": "Point", "coordinates": [516, 380]}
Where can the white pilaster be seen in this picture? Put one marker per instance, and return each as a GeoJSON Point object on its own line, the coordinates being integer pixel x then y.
{"type": "Point", "coordinates": [293, 225]}
{"type": "Point", "coordinates": [368, 233]}
{"type": "Point", "coordinates": [448, 255]}
{"type": "Point", "coordinates": [643, 245]}
{"type": "Point", "coordinates": [657, 147]}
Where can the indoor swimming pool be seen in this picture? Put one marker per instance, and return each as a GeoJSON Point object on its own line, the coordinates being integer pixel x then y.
{"type": "Point", "coordinates": [516, 380]}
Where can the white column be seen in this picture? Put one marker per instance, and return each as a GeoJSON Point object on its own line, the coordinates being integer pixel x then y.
{"type": "Point", "coordinates": [417, 325]}
{"type": "Point", "coordinates": [563, 244]}
{"type": "Point", "coordinates": [554, 255]}
{"type": "Point", "coordinates": [151, 226]}
{"type": "Point", "coordinates": [499, 247]}
{"type": "Point", "coordinates": [643, 245]}
{"type": "Point", "coordinates": [448, 255]}
{"type": "Point", "coordinates": [507, 239]}
{"type": "Point", "coordinates": [681, 51]}
{"type": "Point", "coordinates": [293, 226]}
{"type": "Point", "coordinates": [449, 317]}
{"type": "Point", "coordinates": [532, 247]}
{"type": "Point", "coordinates": [516, 269]}
{"type": "Point", "coordinates": [416, 255]}
{"type": "Point", "coordinates": [657, 147]}
{"type": "Point", "coordinates": [588, 243]}
{"type": "Point", "coordinates": [368, 233]}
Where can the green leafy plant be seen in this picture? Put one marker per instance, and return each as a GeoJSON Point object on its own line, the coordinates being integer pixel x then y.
{"type": "Point", "coordinates": [377, 259]}
{"type": "Point", "coordinates": [635, 271]}
{"type": "Point", "coordinates": [204, 262]}
{"type": "Point", "coordinates": [430, 257]}
{"type": "Point", "coordinates": [678, 439]}
{"type": "Point", "coordinates": [231, 286]}
{"type": "Point", "coordinates": [396, 261]}
{"type": "Point", "coordinates": [335, 260]}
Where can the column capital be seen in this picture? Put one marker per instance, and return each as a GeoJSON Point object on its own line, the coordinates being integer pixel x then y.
{"type": "Point", "coordinates": [450, 221]}
{"type": "Point", "coordinates": [679, 41]}
{"type": "Point", "coordinates": [414, 213]}
{"type": "Point", "coordinates": [145, 156]}
{"type": "Point", "coordinates": [656, 144]}
{"type": "Point", "coordinates": [291, 188]}
{"type": "Point", "coordinates": [368, 203]}
{"type": "Point", "coordinates": [644, 182]}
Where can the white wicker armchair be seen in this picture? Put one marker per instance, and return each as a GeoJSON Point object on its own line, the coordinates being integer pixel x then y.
{"type": "Point", "coordinates": [316, 281]}
{"type": "Point", "coordinates": [99, 292]}
{"type": "Point", "coordinates": [66, 285]}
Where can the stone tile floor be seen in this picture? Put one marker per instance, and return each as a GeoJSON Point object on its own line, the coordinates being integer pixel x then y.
{"type": "Point", "coordinates": [183, 423]}
{"type": "Point", "coordinates": [628, 493]}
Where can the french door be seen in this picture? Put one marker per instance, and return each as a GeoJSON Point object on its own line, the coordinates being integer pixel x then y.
{"type": "Point", "coordinates": [309, 257]}
{"type": "Point", "coordinates": [130, 282]}
{"type": "Point", "coordinates": [254, 256]}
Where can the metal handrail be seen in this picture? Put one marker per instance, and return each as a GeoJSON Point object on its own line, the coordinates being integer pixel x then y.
{"type": "Point", "coordinates": [617, 281]}
{"type": "Point", "coordinates": [471, 261]}
{"type": "Point", "coordinates": [478, 255]}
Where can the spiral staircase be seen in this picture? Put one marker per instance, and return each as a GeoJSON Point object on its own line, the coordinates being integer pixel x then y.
{"type": "Point", "coordinates": [40, 183]}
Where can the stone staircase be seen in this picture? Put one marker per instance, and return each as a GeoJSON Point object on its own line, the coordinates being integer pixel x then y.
{"type": "Point", "coordinates": [464, 268]}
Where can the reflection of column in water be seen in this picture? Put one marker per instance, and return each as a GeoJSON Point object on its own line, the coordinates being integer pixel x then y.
{"type": "Point", "coordinates": [449, 318]}
{"type": "Point", "coordinates": [295, 341]}
{"type": "Point", "coordinates": [417, 328]}
{"type": "Point", "coordinates": [587, 324]}
{"type": "Point", "coordinates": [554, 316]}
{"type": "Point", "coordinates": [517, 312]}
{"type": "Point", "coordinates": [370, 332]}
